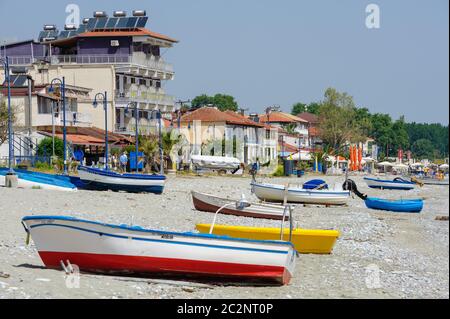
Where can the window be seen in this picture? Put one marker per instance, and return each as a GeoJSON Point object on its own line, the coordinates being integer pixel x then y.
{"type": "Point", "coordinates": [44, 105]}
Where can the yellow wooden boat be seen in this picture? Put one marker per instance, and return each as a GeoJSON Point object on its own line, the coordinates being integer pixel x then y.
{"type": "Point", "coordinates": [307, 241]}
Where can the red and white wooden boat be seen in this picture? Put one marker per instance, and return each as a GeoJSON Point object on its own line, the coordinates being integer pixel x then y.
{"type": "Point", "coordinates": [105, 248]}
{"type": "Point", "coordinates": [210, 203]}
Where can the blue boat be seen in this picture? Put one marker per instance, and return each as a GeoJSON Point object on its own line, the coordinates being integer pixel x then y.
{"type": "Point", "coordinates": [315, 184]}
{"type": "Point", "coordinates": [29, 179]}
{"type": "Point", "coordinates": [99, 179]}
{"type": "Point", "coordinates": [397, 183]}
{"type": "Point", "coordinates": [401, 205]}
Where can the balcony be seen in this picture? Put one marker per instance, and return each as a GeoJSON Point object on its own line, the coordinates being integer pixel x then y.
{"type": "Point", "coordinates": [145, 97]}
{"type": "Point", "coordinates": [151, 62]}
{"type": "Point", "coordinates": [72, 119]}
{"type": "Point", "coordinates": [130, 128]}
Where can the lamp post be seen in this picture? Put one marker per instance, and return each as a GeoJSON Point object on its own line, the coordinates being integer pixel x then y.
{"type": "Point", "coordinates": [62, 83]}
{"type": "Point", "coordinates": [136, 115]}
{"type": "Point", "coordinates": [104, 97]}
{"type": "Point", "coordinates": [5, 62]}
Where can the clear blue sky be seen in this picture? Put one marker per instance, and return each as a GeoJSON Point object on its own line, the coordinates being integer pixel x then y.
{"type": "Point", "coordinates": [281, 52]}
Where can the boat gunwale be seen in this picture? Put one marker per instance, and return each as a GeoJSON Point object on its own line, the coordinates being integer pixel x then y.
{"type": "Point", "coordinates": [309, 191]}
{"type": "Point", "coordinates": [388, 181]}
{"type": "Point", "coordinates": [153, 231]}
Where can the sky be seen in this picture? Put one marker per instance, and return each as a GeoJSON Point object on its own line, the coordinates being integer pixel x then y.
{"type": "Point", "coordinates": [282, 52]}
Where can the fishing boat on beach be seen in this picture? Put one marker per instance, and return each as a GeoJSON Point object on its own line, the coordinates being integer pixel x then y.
{"type": "Point", "coordinates": [210, 203]}
{"type": "Point", "coordinates": [397, 183]}
{"type": "Point", "coordinates": [306, 241]}
{"type": "Point", "coordinates": [100, 179]}
{"type": "Point", "coordinates": [119, 249]}
{"type": "Point", "coordinates": [414, 205]}
{"type": "Point", "coordinates": [402, 205]}
{"type": "Point", "coordinates": [297, 194]}
{"type": "Point", "coordinates": [29, 179]}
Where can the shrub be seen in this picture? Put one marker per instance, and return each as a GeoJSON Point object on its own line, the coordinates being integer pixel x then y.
{"type": "Point", "coordinates": [279, 171]}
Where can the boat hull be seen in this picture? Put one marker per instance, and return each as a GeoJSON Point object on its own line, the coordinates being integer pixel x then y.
{"type": "Point", "coordinates": [102, 248]}
{"type": "Point", "coordinates": [388, 184]}
{"type": "Point", "coordinates": [29, 179]}
{"type": "Point", "coordinates": [403, 206]}
{"type": "Point", "coordinates": [94, 179]}
{"type": "Point", "coordinates": [275, 193]}
{"type": "Point", "coordinates": [209, 203]}
{"type": "Point", "coordinates": [306, 241]}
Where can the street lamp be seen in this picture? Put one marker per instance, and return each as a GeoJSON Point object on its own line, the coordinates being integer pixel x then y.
{"type": "Point", "coordinates": [62, 83]}
{"type": "Point", "coordinates": [104, 97]}
{"type": "Point", "coordinates": [136, 115]}
{"type": "Point", "coordinates": [5, 62]}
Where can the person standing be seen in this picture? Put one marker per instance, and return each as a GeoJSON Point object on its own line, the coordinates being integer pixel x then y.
{"type": "Point", "coordinates": [123, 161]}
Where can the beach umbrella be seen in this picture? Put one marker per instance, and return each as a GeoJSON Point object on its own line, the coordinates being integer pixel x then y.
{"type": "Point", "coordinates": [417, 164]}
{"type": "Point", "coordinates": [401, 166]}
{"type": "Point", "coordinates": [443, 166]}
{"type": "Point", "coordinates": [385, 164]}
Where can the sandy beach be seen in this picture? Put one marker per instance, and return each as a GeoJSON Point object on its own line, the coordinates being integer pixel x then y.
{"type": "Point", "coordinates": [409, 251]}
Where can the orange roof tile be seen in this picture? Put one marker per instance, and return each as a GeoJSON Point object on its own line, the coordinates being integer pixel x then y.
{"type": "Point", "coordinates": [281, 117]}
{"type": "Point", "coordinates": [311, 118]}
{"type": "Point", "coordinates": [212, 114]}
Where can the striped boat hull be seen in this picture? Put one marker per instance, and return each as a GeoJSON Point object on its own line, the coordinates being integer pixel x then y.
{"type": "Point", "coordinates": [96, 247]}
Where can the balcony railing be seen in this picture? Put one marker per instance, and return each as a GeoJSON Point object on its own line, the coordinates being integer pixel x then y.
{"type": "Point", "coordinates": [72, 118]}
{"type": "Point", "coordinates": [151, 62]}
{"type": "Point", "coordinates": [145, 97]}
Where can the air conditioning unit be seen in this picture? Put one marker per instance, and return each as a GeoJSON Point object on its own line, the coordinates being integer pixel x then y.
{"type": "Point", "coordinates": [114, 43]}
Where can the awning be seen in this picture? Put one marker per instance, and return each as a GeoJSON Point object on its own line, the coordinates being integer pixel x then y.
{"type": "Point", "coordinates": [78, 139]}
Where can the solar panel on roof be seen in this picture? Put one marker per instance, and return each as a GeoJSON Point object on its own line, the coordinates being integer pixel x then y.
{"type": "Point", "coordinates": [122, 23]}
{"type": "Point", "coordinates": [101, 23]}
{"type": "Point", "coordinates": [64, 34]}
{"type": "Point", "coordinates": [142, 21]}
{"type": "Point", "coordinates": [91, 23]}
{"type": "Point", "coordinates": [132, 22]}
{"type": "Point", "coordinates": [82, 28]}
{"type": "Point", "coordinates": [43, 34]}
{"type": "Point", "coordinates": [111, 23]}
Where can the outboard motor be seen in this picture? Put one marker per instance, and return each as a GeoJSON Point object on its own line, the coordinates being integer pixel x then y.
{"type": "Point", "coordinates": [350, 185]}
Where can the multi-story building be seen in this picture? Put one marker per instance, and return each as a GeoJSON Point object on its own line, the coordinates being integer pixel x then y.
{"type": "Point", "coordinates": [116, 55]}
{"type": "Point", "coordinates": [210, 131]}
{"type": "Point", "coordinates": [296, 127]}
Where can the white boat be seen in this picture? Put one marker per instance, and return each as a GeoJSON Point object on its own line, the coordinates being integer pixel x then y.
{"type": "Point", "coordinates": [215, 162]}
{"type": "Point", "coordinates": [296, 194]}
{"type": "Point", "coordinates": [105, 248]}
{"type": "Point", "coordinates": [99, 179]}
{"type": "Point", "coordinates": [29, 179]}
{"type": "Point", "coordinates": [211, 203]}
{"type": "Point", "coordinates": [397, 183]}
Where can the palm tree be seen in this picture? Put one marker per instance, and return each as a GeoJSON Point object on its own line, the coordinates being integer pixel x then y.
{"type": "Point", "coordinates": [169, 140]}
{"type": "Point", "coordinates": [150, 147]}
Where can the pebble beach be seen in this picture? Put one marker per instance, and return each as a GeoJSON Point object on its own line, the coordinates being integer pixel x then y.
{"type": "Point", "coordinates": [409, 253]}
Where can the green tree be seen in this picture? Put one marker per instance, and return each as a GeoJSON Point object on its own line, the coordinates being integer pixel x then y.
{"type": "Point", "coordinates": [298, 108]}
{"type": "Point", "coordinates": [313, 108]}
{"type": "Point", "coordinates": [4, 120]}
{"type": "Point", "coordinates": [202, 100]}
{"type": "Point", "coordinates": [45, 147]}
{"type": "Point", "coordinates": [400, 139]}
{"type": "Point", "coordinates": [222, 101]}
{"type": "Point", "coordinates": [423, 148]}
{"type": "Point", "coordinates": [337, 120]}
